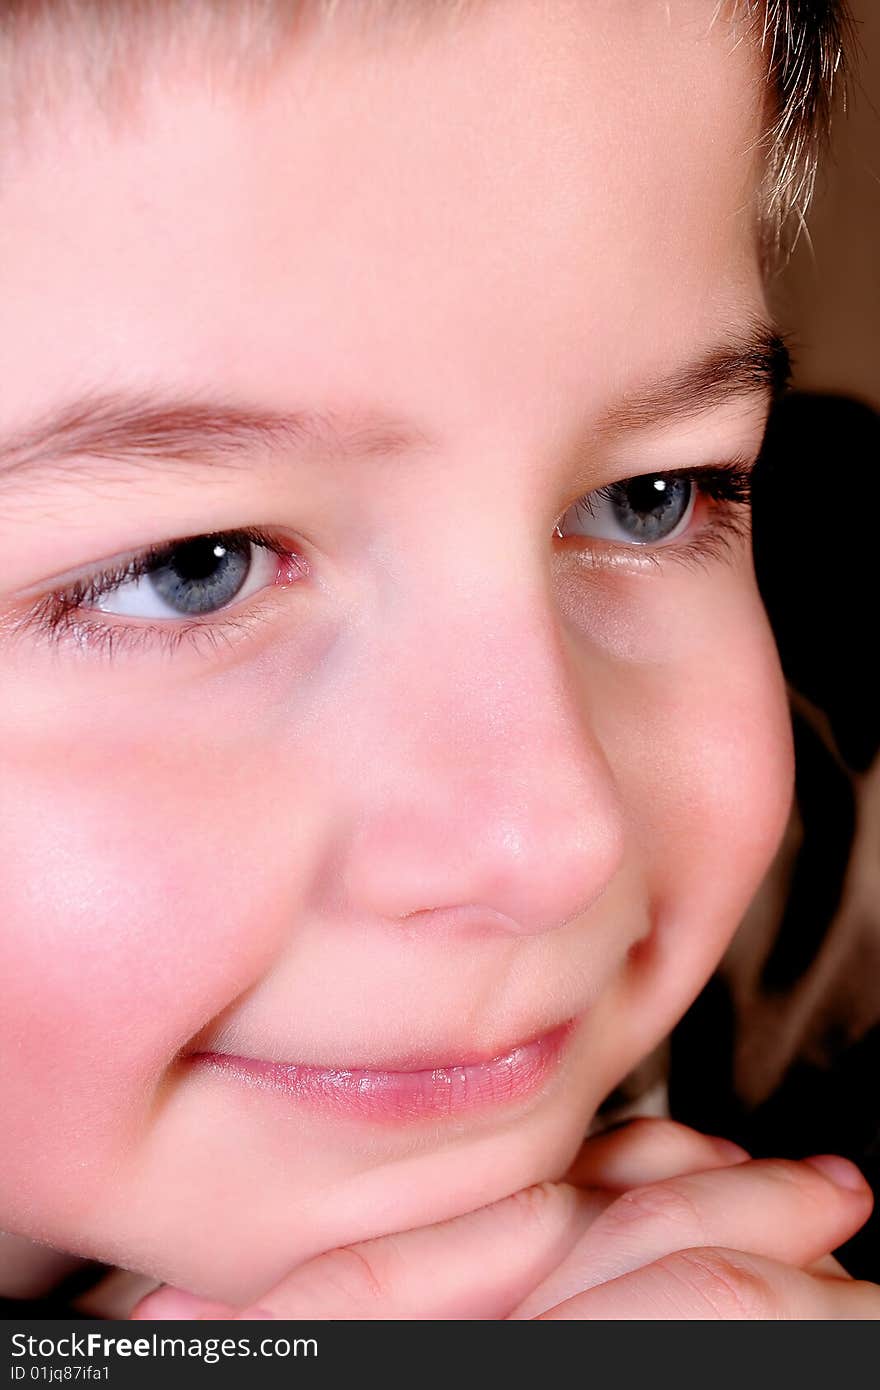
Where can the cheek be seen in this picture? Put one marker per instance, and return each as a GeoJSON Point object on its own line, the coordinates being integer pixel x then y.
{"type": "Point", "coordinates": [717, 788]}
{"type": "Point", "coordinates": [121, 909]}
{"type": "Point", "coordinates": [688, 701]}
{"type": "Point", "coordinates": [703, 753]}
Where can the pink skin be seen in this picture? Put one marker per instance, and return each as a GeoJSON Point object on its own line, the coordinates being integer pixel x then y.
{"type": "Point", "coordinates": [460, 784]}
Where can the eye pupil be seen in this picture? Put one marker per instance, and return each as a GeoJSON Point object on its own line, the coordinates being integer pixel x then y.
{"type": "Point", "coordinates": [202, 575]}
{"type": "Point", "coordinates": [650, 508]}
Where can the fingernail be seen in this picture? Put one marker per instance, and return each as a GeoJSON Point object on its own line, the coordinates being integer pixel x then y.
{"type": "Point", "coordinates": [732, 1152]}
{"type": "Point", "coordinates": [839, 1170]}
{"type": "Point", "coordinates": [176, 1305]}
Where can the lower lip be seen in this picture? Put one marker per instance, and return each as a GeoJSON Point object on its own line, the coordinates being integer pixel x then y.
{"type": "Point", "coordinates": [438, 1093]}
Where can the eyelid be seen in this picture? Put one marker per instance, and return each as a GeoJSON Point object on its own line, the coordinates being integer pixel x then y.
{"type": "Point", "coordinates": [103, 584]}
{"type": "Point", "coordinates": [118, 569]}
{"type": "Point", "coordinates": [129, 563]}
{"type": "Point", "coordinates": [733, 468]}
{"type": "Point", "coordinates": [729, 478]}
{"type": "Point", "coordinates": [727, 487]}
{"type": "Point", "coordinates": [63, 610]}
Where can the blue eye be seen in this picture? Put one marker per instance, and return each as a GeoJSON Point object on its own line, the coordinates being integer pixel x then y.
{"type": "Point", "coordinates": [645, 510]}
{"type": "Point", "coordinates": [184, 587]}
{"type": "Point", "coordinates": [192, 578]}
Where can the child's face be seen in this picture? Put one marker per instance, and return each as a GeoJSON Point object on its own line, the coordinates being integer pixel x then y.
{"type": "Point", "coordinates": [460, 781]}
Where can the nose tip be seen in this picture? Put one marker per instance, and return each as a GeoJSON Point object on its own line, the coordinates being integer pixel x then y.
{"type": "Point", "coordinates": [493, 801]}
{"type": "Point", "coordinates": [473, 868]}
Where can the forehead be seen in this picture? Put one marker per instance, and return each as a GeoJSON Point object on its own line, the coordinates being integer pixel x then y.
{"type": "Point", "coordinates": [544, 199]}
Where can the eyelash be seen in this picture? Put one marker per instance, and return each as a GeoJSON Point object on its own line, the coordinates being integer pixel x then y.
{"type": "Point", "coordinates": [728, 486]}
{"type": "Point", "coordinates": [63, 614]}
{"type": "Point", "coordinates": [60, 615]}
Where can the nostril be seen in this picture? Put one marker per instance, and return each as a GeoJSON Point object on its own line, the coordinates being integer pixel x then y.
{"type": "Point", "coordinates": [469, 919]}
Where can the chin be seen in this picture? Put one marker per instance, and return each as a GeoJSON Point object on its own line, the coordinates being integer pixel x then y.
{"type": "Point", "coordinates": [235, 1250]}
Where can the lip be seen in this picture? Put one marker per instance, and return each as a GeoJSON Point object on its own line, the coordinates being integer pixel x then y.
{"type": "Point", "coordinates": [408, 1094]}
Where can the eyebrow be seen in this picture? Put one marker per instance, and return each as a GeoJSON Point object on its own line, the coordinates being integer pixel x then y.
{"type": "Point", "coordinates": [144, 427]}
{"type": "Point", "coordinates": [758, 364]}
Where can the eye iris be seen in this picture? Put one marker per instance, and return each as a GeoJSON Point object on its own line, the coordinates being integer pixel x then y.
{"type": "Point", "coordinates": [649, 508]}
{"type": "Point", "coordinates": [202, 575]}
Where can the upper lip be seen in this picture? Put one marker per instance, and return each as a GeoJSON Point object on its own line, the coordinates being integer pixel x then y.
{"type": "Point", "coordinates": [418, 1059]}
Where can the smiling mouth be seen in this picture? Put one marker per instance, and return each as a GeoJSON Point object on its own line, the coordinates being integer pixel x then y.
{"type": "Point", "coordinates": [402, 1095]}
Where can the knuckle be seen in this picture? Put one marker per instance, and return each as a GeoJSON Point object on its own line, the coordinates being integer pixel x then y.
{"type": "Point", "coordinates": [655, 1204]}
{"type": "Point", "coordinates": [542, 1204]}
{"type": "Point", "coordinates": [866, 1296]}
{"type": "Point", "coordinates": [360, 1275]}
{"type": "Point", "coordinates": [789, 1172]}
{"type": "Point", "coordinates": [665, 1130]}
{"type": "Point", "coordinates": [804, 1184]}
{"type": "Point", "coordinates": [724, 1283]}
{"type": "Point", "coordinates": [657, 1131]}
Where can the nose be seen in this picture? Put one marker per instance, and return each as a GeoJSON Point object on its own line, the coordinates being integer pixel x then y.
{"type": "Point", "coordinates": [482, 794]}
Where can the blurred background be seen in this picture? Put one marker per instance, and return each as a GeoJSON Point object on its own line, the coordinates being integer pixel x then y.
{"type": "Point", "coordinates": [830, 296]}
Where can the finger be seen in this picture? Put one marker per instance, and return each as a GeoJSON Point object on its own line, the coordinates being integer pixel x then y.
{"type": "Point", "coordinates": [712, 1283]}
{"type": "Point", "coordinates": [646, 1150]}
{"type": "Point", "coordinates": [475, 1266]}
{"type": "Point", "coordinates": [168, 1304]}
{"type": "Point", "coordinates": [830, 1267]}
{"type": "Point", "coordinates": [783, 1210]}
{"type": "Point", "coordinates": [114, 1295]}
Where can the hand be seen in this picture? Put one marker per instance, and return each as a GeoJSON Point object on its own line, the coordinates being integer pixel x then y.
{"type": "Point", "coordinates": [748, 1242]}
{"type": "Point", "coordinates": [545, 1250]}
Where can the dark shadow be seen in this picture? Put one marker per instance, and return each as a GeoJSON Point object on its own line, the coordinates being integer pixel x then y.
{"type": "Point", "coordinates": [816, 491]}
